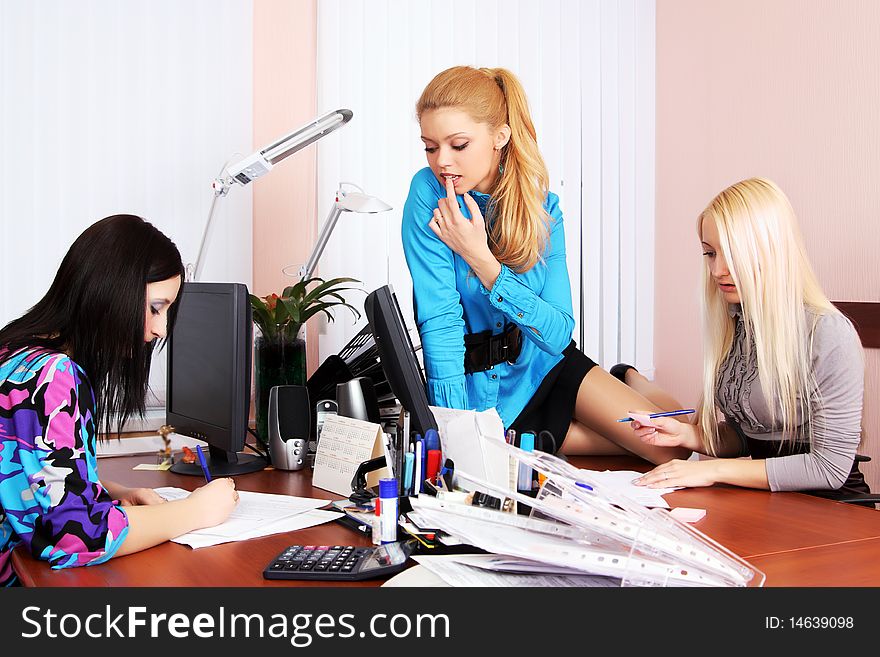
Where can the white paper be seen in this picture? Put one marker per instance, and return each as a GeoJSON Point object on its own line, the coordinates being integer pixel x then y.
{"type": "Point", "coordinates": [300, 521]}
{"type": "Point", "coordinates": [621, 481]}
{"type": "Point", "coordinates": [254, 512]}
{"type": "Point", "coordinates": [459, 570]}
{"type": "Point", "coordinates": [475, 443]}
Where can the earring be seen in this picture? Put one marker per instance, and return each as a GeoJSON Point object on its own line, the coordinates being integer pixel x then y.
{"type": "Point", "coordinates": [500, 168]}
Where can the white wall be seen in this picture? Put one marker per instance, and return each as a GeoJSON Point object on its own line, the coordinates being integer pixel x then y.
{"type": "Point", "coordinates": [120, 107]}
{"type": "Point", "coordinates": [588, 69]}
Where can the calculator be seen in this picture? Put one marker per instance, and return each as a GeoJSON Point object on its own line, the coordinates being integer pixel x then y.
{"type": "Point", "coordinates": [343, 563]}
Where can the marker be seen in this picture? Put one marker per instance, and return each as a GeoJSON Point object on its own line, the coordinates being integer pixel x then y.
{"type": "Point", "coordinates": [432, 440]}
{"type": "Point", "coordinates": [433, 465]}
{"type": "Point", "coordinates": [203, 463]}
{"type": "Point", "coordinates": [408, 473]}
{"type": "Point", "coordinates": [683, 411]}
{"type": "Point", "coordinates": [419, 466]}
{"type": "Point", "coordinates": [524, 480]}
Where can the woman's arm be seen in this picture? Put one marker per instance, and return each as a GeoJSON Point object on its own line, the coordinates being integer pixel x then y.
{"type": "Point", "coordinates": [69, 518]}
{"type": "Point", "coordinates": [546, 315]}
{"type": "Point", "coordinates": [437, 304]}
{"type": "Point", "coordinates": [736, 472]}
{"type": "Point", "coordinates": [839, 371]}
{"type": "Point", "coordinates": [154, 524]}
{"type": "Point", "coordinates": [668, 432]}
{"type": "Point", "coordinates": [132, 496]}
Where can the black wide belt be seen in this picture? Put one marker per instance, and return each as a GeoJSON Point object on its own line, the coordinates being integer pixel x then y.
{"type": "Point", "coordinates": [482, 351]}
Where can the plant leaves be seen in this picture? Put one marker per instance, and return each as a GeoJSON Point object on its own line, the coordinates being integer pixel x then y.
{"type": "Point", "coordinates": [333, 285]}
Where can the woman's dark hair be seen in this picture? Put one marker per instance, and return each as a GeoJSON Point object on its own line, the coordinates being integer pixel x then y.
{"type": "Point", "coordinates": [95, 311]}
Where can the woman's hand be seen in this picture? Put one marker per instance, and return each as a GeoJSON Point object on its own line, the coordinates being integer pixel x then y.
{"type": "Point", "coordinates": [212, 503]}
{"type": "Point", "coordinates": [466, 238]}
{"type": "Point", "coordinates": [665, 432]}
{"type": "Point", "coordinates": [681, 474]}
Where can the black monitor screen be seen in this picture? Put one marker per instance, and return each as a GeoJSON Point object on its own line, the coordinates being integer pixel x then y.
{"type": "Point", "coordinates": [398, 357]}
{"type": "Point", "coordinates": [209, 374]}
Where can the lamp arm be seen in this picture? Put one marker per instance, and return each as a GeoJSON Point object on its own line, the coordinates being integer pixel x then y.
{"type": "Point", "coordinates": [323, 237]}
{"type": "Point", "coordinates": [221, 186]}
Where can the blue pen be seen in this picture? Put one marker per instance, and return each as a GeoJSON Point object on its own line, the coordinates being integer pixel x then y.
{"type": "Point", "coordinates": [204, 463]}
{"type": "Point", "coordinates": [683, 411]}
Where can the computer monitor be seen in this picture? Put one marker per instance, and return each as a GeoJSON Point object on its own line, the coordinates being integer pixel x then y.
{"type": "Point", "coordinates": [209, 376]}
{"type": "Point", "coordinates": [398, 358]}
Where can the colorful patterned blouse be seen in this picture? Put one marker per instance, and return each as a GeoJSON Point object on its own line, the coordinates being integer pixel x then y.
{"type": "Point", "coordinates": [50, 496]}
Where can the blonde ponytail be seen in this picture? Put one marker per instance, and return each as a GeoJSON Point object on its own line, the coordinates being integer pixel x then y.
{"type": "Point", "coordinates": [519, 224]}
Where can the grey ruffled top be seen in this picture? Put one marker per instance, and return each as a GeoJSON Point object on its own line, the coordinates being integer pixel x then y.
{"type": "Point", "coordinates": [836, 406]}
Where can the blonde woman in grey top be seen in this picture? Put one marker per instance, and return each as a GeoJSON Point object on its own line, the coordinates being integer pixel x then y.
{"type": "Point", "coordinates": [783, 369]}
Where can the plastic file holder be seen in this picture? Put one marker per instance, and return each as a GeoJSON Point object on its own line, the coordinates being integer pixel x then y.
{"type": "Point", "coordinates": [576, 522]}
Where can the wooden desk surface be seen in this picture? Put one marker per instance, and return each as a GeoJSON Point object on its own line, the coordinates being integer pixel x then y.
{"type": "Point", "coordinates": [796, 540]}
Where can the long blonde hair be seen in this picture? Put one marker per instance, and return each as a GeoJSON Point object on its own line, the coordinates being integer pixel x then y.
{"type": "Point", "coordinates": [494, 96]}
{"type": "Point", "coordinates": [762, 244]}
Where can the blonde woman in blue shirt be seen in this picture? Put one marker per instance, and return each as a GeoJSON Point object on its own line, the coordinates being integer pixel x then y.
{"type": "Point", "coordinates": [484, 242]}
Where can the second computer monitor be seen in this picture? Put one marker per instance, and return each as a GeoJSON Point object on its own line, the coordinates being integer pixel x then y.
{"type": "Point", "coordinates": [209, 375]}
{"type": "Point", "coordinates": [398, 357]}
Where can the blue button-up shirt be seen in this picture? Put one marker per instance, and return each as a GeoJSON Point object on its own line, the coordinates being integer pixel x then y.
{"type": "Point", "coordinates": [450, 301]}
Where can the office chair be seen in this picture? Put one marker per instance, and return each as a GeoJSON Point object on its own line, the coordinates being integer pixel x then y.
{"type": "Point", "coordinates": [865, 317]}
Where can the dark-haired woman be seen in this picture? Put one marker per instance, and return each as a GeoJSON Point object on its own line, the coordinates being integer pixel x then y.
{"type": "Point", "coordinates": [78, 358]}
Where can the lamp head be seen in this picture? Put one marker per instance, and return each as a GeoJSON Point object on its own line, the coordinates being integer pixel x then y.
{"type": "Point", "coordinates": [260, 163]}
{"type": "Point", "coordinates": [360, 202]}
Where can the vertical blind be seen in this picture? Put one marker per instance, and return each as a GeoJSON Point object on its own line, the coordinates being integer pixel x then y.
{"type": "Point", "coordinates": [588, 69]}
{"type": "Point", "coordinates": [121, 107]}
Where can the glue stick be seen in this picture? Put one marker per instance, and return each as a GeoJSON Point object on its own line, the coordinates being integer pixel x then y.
{"type": "Point", "coordinates": [388, 510]}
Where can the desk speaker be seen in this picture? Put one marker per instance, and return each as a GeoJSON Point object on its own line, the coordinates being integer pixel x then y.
{"type": "Point", "coordinates": [290, 417]}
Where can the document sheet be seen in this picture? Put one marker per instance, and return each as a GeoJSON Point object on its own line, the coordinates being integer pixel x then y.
{"type": "Point", "coordinates": [256, 514]}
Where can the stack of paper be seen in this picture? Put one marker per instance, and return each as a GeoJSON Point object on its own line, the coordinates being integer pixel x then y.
{"type": "Point", "coordinates": [257, 514]}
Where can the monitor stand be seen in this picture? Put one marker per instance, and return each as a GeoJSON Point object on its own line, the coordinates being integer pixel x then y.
{"type": "Point", "coordinates": [222, 464]}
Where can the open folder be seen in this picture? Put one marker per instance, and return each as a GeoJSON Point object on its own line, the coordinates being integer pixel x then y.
{"type": "Point", "coordinates": [576, 521]}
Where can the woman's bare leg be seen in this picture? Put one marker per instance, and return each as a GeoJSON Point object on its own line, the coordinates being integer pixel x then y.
{"type": "Point", "coordinates": [581, 439]}
{"type": "Point", "coordinates": [601, 400]}
{"type": "Point", "coordinates": [651, 391]}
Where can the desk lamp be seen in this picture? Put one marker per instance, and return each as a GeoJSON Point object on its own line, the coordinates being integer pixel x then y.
{"type": "Point", "coordinates": [346, 201]}
{"type": "Point", "coordinates": [260, 163]}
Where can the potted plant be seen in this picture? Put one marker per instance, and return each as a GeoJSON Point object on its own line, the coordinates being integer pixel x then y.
{"type": "Point", "coordinates": [279, 346]}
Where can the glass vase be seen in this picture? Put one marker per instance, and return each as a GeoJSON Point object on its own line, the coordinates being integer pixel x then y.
{"type": "Point", "coordinates": [278, 361]}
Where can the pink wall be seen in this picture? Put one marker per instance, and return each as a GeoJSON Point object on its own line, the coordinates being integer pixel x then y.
{"type": "Point", "coordinates": [285, 97]}
{"type": "Point", "coordinates": [786, 89]}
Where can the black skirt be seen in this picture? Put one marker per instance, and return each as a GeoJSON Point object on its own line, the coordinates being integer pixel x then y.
{"type": "Point", "coordinates": [551, 408]}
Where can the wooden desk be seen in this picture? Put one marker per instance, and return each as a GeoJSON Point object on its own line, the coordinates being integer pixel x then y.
{"type": "Point", "coordinates": [796, 540]}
